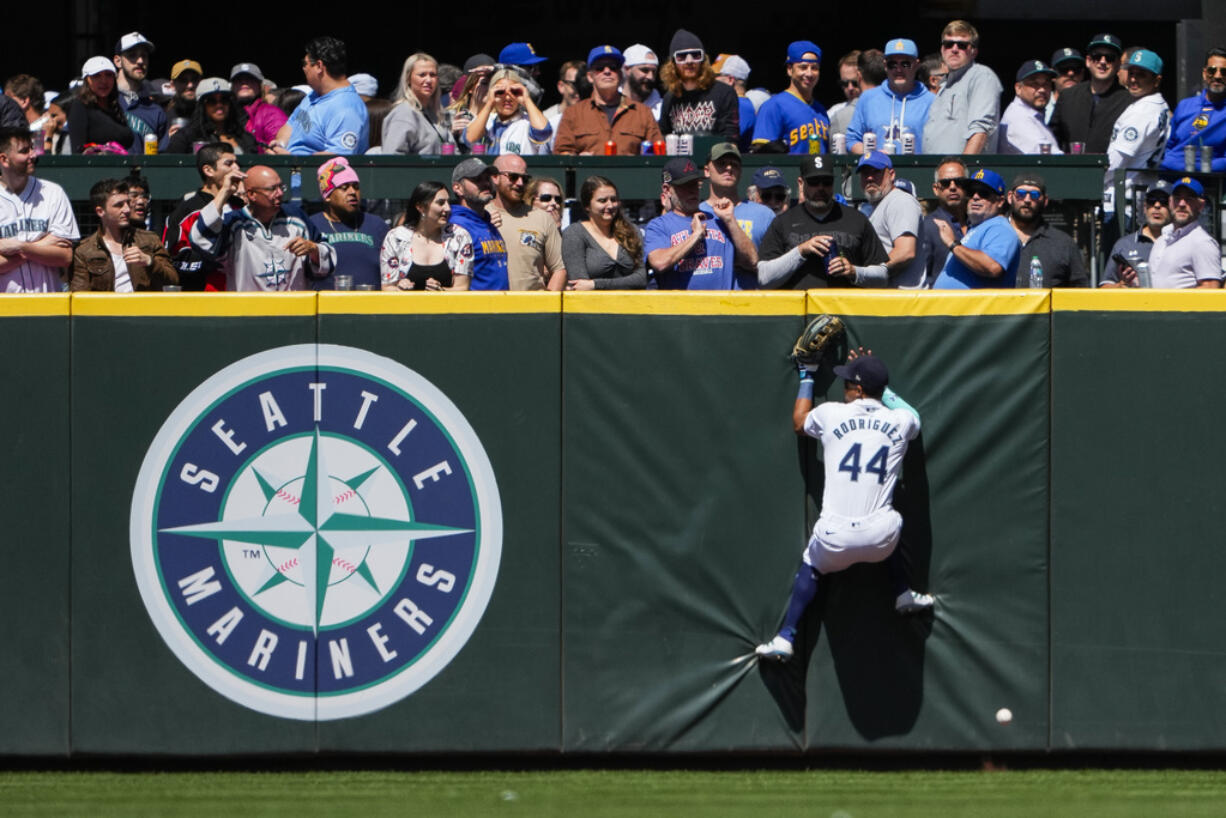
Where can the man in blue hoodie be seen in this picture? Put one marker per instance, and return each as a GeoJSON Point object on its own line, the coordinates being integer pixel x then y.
{"type": "Point", "coordinates": [898, 106]}
{"type": "Point", "coordinates": [472, 182]}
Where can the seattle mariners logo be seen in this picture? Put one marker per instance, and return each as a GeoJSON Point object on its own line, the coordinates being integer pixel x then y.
{"type": "Point", "coordinates": [316, 531]}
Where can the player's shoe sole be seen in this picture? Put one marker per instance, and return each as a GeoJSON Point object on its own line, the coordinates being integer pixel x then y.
{"type": "Point", "coordinates": [913, 602]}
{"type": "Point", "coordinates": [777, 649]}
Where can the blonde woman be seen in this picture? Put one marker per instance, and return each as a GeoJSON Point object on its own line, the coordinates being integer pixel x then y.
{"type": "Point", "coordinates": [416, 124]}
{"type": "Point", "coordinates": [545, 194]}
{"type": "Point", "coordinates": [509, 121]}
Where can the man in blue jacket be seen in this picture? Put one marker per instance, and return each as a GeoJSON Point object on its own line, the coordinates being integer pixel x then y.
{"type": "Point", "coordinates": [473, 182]}
{"type": "Point", "coordinates": [896, 107]}
{"type": "Point", "coordinates": [1201, 119]}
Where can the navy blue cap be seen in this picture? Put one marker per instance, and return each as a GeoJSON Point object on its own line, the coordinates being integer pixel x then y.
{"type": "Point", "coordinates": [1032, 67]}
{"type": "Point", "coordinates": [798, 50]}
{"type": "Point", "coordinates": [1109, 40]}
{"type": "Point", "coordinates": [866, 370]}
{"type": "Point", "coordinates": [520, 54]}
{"type": "Point", "coordinates": [679, 170]}
{"type": "Point", "coordinates": [768, 177]}
{"type": "Point", "coordinates": [1158, 190]}
{"type": "Point", "coordinates": [1063, 55]}
{"type": "Point", "coordinates": [874, 159]}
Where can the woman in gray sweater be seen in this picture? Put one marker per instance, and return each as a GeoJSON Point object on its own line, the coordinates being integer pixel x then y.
{"type": "Point", "coordinates": [604, 251]}
{"type": "Point", "coordinates": [416, 125]}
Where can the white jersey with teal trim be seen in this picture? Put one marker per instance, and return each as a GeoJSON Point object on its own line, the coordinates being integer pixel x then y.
{"type": "Point", "coordinates": [41, 208]}
{"type": "Point", "coordinates": [863, 443]}
{"type": "Point", "coordinates": [254, 255]}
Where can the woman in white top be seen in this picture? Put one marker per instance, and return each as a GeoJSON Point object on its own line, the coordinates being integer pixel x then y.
{"type": "Point", "coordinates": [509, 121]}
{"type": "Point", "coordinates": [416, 124]}
{"type": "Point", "coordinates": [429, 252]}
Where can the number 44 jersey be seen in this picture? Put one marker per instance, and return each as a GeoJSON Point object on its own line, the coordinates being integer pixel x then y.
{"type": "Point", "coordinates": [863, 444]}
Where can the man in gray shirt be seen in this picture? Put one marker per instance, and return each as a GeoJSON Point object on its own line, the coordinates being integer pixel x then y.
{"type": "Point", "coordinates": [964, 117]}
{"type": "Point", "coordinates": [895, 216]}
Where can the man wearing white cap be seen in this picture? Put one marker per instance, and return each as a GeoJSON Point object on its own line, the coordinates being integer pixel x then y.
{"type": "Point", "coordinates": [132, 55]}
{"type": "Point", "coordinates": [731, 69]}
{"type": "Point", "coordinates": [639, 72]}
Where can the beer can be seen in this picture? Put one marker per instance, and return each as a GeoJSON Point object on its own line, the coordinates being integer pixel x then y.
{"type": "Point", "coordinates": [610, 148]}
{"type": "Point", "coordinates": [670, 144]}
{"type": "Point", "coordinates": [889, 146]}
{"type": "Point", "coordinates": [685, 144]}
{"type": "Point", "coordinates": [908, 143]}
{"type": "Point", "coordinates": [1189, 158]}
{"type": "Point", "coordinates": [1206, 159]}
{"type": "Point", "coordinates": [815, 145]}
{"type": "Point", "coordinates": [647, 147]}
{"type": "Point", "coordinates": [838, 143]}
{"type": "Point", "coordinates": [659, 147]}
{"type": "Point", "coordinates": [447, 149]}
{"type": "Point", "coordinates": [869, 140]}
{"type": "Point", "coordinates": [151, 144]}
{"type": "Point", "coordinates": [1044, 147]}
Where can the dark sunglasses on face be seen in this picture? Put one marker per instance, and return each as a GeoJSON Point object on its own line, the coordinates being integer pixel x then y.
{"type": "Point", "coordinates": [1100, 56]}
{"type": "Point", "coordinates": [548, 198]}
{"type": "Point", "coordinates": [849, 83]}
{"type": "Point", "coordinates": [603, 67]}
{"type": "Point", "coordinates": [515, 92]}
{"type": "Point", "coordinates": [773, 195]}
{"type": "Point", "coordinates": [1163, 203]}
{"type": "Point", "coordinates": [517, 177]}
{"type": "Point", "coordinates": [964, 45]}
{"type": "Point", "coordinates": [214, 100]}
{"type": "Point", "coordinates": [948, 183]}
{"type": "Point", "coordinates": [903, 64]}
{"type": "Point", "coordinates": [1028, 194]}
{"type": "Point", "coordinates": [1215, 71]}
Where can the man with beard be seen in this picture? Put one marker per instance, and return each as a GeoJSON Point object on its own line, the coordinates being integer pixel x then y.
{"type": "Point", "coordinates": [1021, 126]}
{"type": "Point", "coordinates": [987, 256]}
{"type": "Point", "coordinates": [792, 121]}
{"type": "Point", "coordinates": [136, 97]}
{"type": "Point", "coordinates": [533, 241]}
{"type": "Point", "coordinates": [606, 115]}
{"type": "Point", "coordinates": [896, 218]}
{"type": "Point", "coordinates": [1201, 119]}
{"type": "Point", "coordinates": [1135, 248]}
{"type": "Point", "coordinates": [820, 243]}
{"type": "Point", "coordinates": [1070, 68]}
{"type": "Point", "coordinates": [639, 75]}
{"type": "Point", "coordinates": [695, 102]}
{"type": "Point", "coordinates": [356, 235]}
{"type": "Point", "coordinates": [472, 182]}
{"type": "Point", "coordinates": [1087, 112]}
{"type": "Point", "coordinates": [1055, 249]}
{"type": "Point", "coordinates": [263, 120]}
{"type": "Point", "coordinates": [1185, 256]}
{"type": "Point", "coordinates": [947, 183]}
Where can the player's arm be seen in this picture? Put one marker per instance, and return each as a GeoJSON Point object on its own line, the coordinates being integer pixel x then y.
{"type": "Point", "coordinates": [804, 401]}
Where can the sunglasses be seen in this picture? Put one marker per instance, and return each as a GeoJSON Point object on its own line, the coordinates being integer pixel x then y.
{"type": "Point", "coordinates": [689, 55]}
{"type": "Point", "coordinates": [944, 184]}
{"type": "Point", "coordinates": [987, 194]}
{"type": "Point", "coordinates": [773, 195]}
{"type": "Point", "coordinates": [515, 92]}
{"type": "Point", "coordinates": [895, 64]}
{"type": "Point", "coordinates": [603, 67]}
{"type": "Point", "coordinates": [963, 45]}
{"type": "Point", "coordinates": [1214, 71]}
{"type": "Point", "coordinates": [549, 198]}
{"type": "Point", "coordinates": [214, 100]}
{"type": "Point", "coordinates": [1163, 203]}
{"type": "Point", "coordinates": [1028, 194]}
{"type": "Point", "coordinates": [517, 177]}
{"type": "Point", "coordinates": [1100, 56]}
{"type": "Point", "coordinates": [849, 83]}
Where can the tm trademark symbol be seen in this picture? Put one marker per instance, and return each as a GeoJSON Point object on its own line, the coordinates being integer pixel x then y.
{"type": "Point", "coordinates": [251, 554]}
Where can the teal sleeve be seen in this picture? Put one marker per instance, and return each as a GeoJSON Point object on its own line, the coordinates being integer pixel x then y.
{"type": "Point", "coordinates": [891, 401]}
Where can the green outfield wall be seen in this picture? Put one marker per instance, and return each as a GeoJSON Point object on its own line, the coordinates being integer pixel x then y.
{"type": "Point", "coordinates": [377, 523]}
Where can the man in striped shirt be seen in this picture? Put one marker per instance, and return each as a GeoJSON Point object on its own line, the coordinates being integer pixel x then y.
{"type": "Point", "coordinates": [37, 227]}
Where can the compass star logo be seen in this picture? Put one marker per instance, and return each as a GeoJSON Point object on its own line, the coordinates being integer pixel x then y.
{"type": "Point", "coordinates": [316, 531]}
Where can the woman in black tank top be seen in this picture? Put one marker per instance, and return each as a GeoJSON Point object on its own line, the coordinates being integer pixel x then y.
{"type": "Point", "coordinates": [429, 252]}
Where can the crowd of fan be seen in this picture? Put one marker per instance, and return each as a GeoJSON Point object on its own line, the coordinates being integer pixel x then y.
{"type": "Point", "coordinates": [495, 227]}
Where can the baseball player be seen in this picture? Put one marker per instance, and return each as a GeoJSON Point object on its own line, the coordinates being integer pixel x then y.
{"type": "Point", "coordinates": [37, 227]}
{"type": "Point", "coordinates": [863, 443]}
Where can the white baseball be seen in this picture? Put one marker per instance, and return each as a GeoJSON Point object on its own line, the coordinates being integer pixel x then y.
{"type": "Point", "coordinates": [1004, 715]}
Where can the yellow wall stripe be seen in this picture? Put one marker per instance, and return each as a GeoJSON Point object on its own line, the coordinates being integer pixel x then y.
{"type": "Point", "coordinates": [1121, 300]}
{"type": "Point", "coordinates": [684, 303]}
{"type": "Point", "coordinates": [194, 304]}
{"type": "Point", "coordinates": [19, 304]}
{"type": "Point", "coordinates": [411, 303]}
{"type": "Point", "coordinates": [929, 303]}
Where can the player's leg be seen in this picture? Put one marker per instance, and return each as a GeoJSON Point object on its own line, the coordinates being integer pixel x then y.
{"type": "Point", "coordinates": [804, 589]}
{"type": "Point", "coordinates": [906, 600]}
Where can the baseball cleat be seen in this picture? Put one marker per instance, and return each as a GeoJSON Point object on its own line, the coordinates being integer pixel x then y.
{"type": "Point", "coordinates": [913, 602]}
{"type": "Point", "coordinates": [779, 649]}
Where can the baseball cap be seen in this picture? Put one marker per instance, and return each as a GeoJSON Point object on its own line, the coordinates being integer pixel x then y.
{"type": "Point", "coordinates": [758, 96]}
{"type": "Point", "coordinates": [874, 159]}
{"type": "Point", "coordinates": [520, 54]}
{"type": "Point", "coordinates": [734, 66]}
{"type": "Point", "coordinates": [1158, 190]}
{"type": "Point", "coordinates": [364, 84]}
{"type": "Point", "coordinates": [768, 177]}
{"type": "Point", "coordinates": [816, 166]}
{"type": "Point", "coordinates": [334, 173]}
{"type": "Point", "coordinates": [679, 170]}
{"type": "Point", "coordinates": [212, 85]}
{"type": "Point", "coordinates": [1063, 55]}
{"type": "Point", "coordinates": [96, 65]}
{"type": "Point", "coordinates": [866, 370]}
{"type": "Point", "coordinates": [989, 179]}
{"type": "Point", "coordinates": [905, 184]}
{"type": "Point", "coordinates": [247, 68]}
{"type": "Point", "coordinates": [470, 168]}
{"type": "Point", "coordinates": [1029, 179]}
{"type": "Point", "coordinates": [184, 65]}
{"type": "Point", "coordinates": [721, 149]}
{"type": "Point", "coordinates": [605, 52]}
{"type": "Point", "coordinates": [901, 48]}
{"type": "Point", "coordinates": [798, 49]}
{"type": "Point", "coordinates": [131, 40]}
{"type": "Point", "coordinates": [1032, 67]}
{"type": "Point", "coordinates": [478, 61]}
{"type": "Point", "coordinates": [1109, 40]}
{"type": "Point", "coordinates": [1188, 182]}
{"type": "Point", "coordinates": [639, 54]}
{"type": "Point", "coordinates": [1144, 58]}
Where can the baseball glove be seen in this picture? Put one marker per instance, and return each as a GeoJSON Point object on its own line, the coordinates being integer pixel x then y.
{"type": "Point", "coordinates": [820, 339]}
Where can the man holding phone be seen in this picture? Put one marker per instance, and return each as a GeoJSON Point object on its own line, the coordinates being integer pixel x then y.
{"type": "Point", "coordinates": [1130, 254]}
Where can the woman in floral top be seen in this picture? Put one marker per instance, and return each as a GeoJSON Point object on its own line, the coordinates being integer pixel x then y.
{"type": "Point", "coordinates": [429, 252]}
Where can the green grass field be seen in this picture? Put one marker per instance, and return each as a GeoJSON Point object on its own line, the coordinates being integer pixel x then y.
{"type": "Point", "coordinates": [592, 794]}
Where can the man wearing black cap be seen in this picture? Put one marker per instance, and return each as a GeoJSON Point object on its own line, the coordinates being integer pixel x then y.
{"type": "Point", "coordinates": [986, 257]}
{"type": "Point", "coordinates": [1134, 248]}
{"type": "Point", "coordinates": [1022, 128]}
{"type": "Point", "coordinates": [1055, 249]}
{"type": "Point", "coordinates": [1086, 113]}
{"type": "Point", "coordinates": [695, 102]}
{"type": "Point", "coordinates": [686, 248]}
{"type": "Point", "coordinates": [820, 243]}
{"type": "Point", "coordinates": [769, 188]}
{"type": "Point", "coordinates": [1070, 68]}
{"type": "Point", "coordinates": [472, 181]}
{"type": "Point", "coordinates": [864, 440]}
